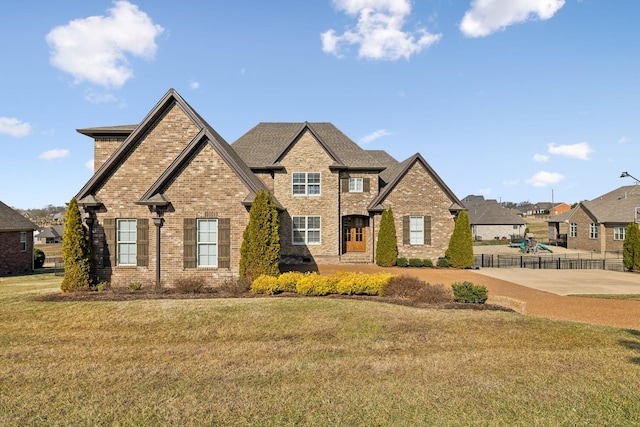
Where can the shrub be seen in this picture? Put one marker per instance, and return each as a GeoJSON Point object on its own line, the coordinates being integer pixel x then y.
{"type": "Point", "coordinates": [260, 250]}
{"type": "Point", "coordinates": [402, 262]}
{"type": "Point", "coordinates": [102, 286]}
{"type": "Point", "coordinates": [287, 281]}
{"type": "Point", "coordinates": [77, 253]}
{"type": "Point", "coordinates": [412, 288]}
{"type": "Point", "coordinates": [190, 285]}
{"type": "Point", "coordinates": [235, 286]}
{"type": "Point", "coordinates": [427, 263]}
{"type": "Point", "coordinates": [363, 284]}
{"type": "Point", "coordinates": [631, 247]}
{"type": "Point", "coordinates": [415, 262]}
{"type": "Point", "coordinates": [443, 262]}
{"type": "Point", "coordinates": [38, 258]}
{"type": "Point", "coordinates": [135, 286]}
{"type": "Point", "coordinates": [467, 292]}
{"type": "Point", "coordinates": [265, 284]}
{"type": "Point", "coordinates": [314, 284]}
{"type": "Point", "coordinates": [460, 250]}
{"type": "Point", "coordinates": [387, 246]}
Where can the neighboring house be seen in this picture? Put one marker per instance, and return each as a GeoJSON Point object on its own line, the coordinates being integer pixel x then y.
{"type": "Point", "coordinates": [559, 208]}
{"type": "Point", "coordinates": [16, 242]}
{"type": "Point", "coordinates": [170, 198]}
{"type": "Point", "coordinates": [490, 221]}
{"type": "Point", "coordinates": [49, 235]}
{"type": "Point", "coordinates": [600, 224]}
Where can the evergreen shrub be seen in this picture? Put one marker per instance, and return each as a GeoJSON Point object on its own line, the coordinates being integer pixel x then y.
{"type": "Point", "coordinates": [427, 263]}
{"type": "Point", "coordinates": [443, 262]}
{"type": "Point", "coordinates": [402, 262]}
{"type": "Point", "coordinates": [467, 292]}
{"type": "Point", "coordinates": [460, 250]}
{"type": "Point", "coordinates": [77, 252]}
{"type": "Point", "coordinates": [387, 246]}
{"type": "Point", "coordinates": [38, 258]}
{"type": "Point", "coordinates": [260, 250]}
{"type": "Point", "coordinates": [415, 262]}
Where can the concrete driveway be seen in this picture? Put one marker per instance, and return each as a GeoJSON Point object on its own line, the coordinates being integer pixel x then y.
{"type": "Point", "coordinates": [569, 282]}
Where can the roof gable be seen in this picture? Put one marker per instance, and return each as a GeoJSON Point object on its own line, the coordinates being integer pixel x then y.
{"type": "Point", "coordinates": [617, 206]}
{"type": "Point", "coordinates": [393, 175]}
{"type": "Point", "coordinates": [171, 98]}
{"type": "Point", "coordinates": [11, 220]}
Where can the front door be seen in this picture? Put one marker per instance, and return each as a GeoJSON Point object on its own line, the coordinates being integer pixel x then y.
{"type": "Point", "coordinates": [354, 234]}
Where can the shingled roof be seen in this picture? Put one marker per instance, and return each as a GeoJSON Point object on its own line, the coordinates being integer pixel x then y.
{"type": "Point", "coordinates": [10, 220]}
{"type": "Point", "coordinates": [266, 143]}
{"type": "Point", "coordinates": [491, 213]}
{"type": "Point", "coordinates": [617, 206]}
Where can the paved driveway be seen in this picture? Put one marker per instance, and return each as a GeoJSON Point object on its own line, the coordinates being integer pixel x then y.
{"type": "Point", "coordinates": [569, 282]}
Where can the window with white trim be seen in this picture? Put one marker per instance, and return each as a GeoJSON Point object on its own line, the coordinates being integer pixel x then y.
{"type": "Point", "coordinates": [23, 241]}
{"type": "Point", "coordinates": [573, 230]}
{"type": "Point", "coordinates": [593, 231]}
{"type": "Point", "coordinates": [306, 230]}
{"type": "Point", "coordinates": [306, 183]}
{"type": "Point", "coordinates": [619, 233]}
{"type": "Point", "coordinates": [355, 185]}
{"type": "Point", "coordinates": [127, 234]}
{"type": "Point", "coordinates": [207, 243]}
{"type": "Point", "coordinates": [416, 230]}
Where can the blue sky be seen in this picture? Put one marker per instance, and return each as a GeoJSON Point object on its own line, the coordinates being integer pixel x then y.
{"type": "Point", "coordinates": [512, 99]}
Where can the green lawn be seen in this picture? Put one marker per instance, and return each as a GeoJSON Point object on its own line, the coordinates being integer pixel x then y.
{"type": "Point", "coordinates": [303, 361]}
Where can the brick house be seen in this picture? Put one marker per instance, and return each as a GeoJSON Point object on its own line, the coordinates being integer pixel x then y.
{"type": "Point", "coordinates": [489, 220]}
{"type": "Point", "coordinates": [170, 196]}
{"type": "Point", "coordinates": [16, 242]}
{"type": "Point", "coordinates": [599, 225]}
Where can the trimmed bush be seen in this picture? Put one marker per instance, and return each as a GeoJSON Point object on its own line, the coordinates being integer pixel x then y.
{"type": "Point", "coordinates": [387, 246]}
{"type": "Point", "coordinates": [467, 292]}
{"type": "Point", "coordinates": [265, 284]}
{"type": "Point", "coordinates": [287, 281]}
{"type": "Point", "coordinates": [260, 250]}
{"type": "Point", "coordinates": [363, 284]}
{"type": "Point", "coordinates": [314, 284]}
{"type": "Point", "coordinates": [460, 250]}
{"type": "Point", "coordinates": [427, 263]}
{"type": "Point", "coordinates": [77, 252]}
{"type": "Point", "coordinates": [443, 263]}
{"type": "Point", "coordinates": [415, 262]}
{"type": "Point", "coordinates": [631, 248]}
{"type": "Point", "coordinates": [38, 258]}
{"type": "Point", "coordinates": [402, 262]}
{"type": "Point", "coordinates": [190, 285]}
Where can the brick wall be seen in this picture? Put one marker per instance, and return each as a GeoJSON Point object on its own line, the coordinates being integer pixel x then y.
{"type": "Point", "coordinates": [13, 260]}
{"type": "Point", "coordinates": [582, 241]}
{"type": "Point", "coordinates": [418, 194]}
{"type": "Point", "coordinates": [103, 148]}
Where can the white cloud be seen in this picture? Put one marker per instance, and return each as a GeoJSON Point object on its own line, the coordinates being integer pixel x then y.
{"type": "Point", "coordinates": [577, 151]}
{"type": "Point", "coordinates": [488, 16]}
{"type": "Point", "coordinates": [54, 154]}
{"type": "Point", "coordinates": [89, 165]}
{"type": "Point", "coordinates": [373, 136]}
{"type": "Point", "coordinates": [541, 158]}
{"type": "Point", "coordinates": [99, 98]}
{"type": "Point", "coordinates": [378, 31]}
{"type": "Point", "coordinates": [194, 85]}
{"type": "Point", "coordinates": [542, 179]}
{"type": "Point", "coordinates": [14, 127]}
{"type": "Point", "coordinates": [95, 49]}
{"type": "Point", "coordinates": [624, 140]}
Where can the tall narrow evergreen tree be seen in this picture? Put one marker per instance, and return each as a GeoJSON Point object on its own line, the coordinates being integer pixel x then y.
{"type": "Point", "coordinates": [77, 253]}
{"type": "Point", "coordinates": [387, 246]}
{"type": "Point", "coordinates": [631, 247]}
{"type": "Point", "coordinates": [260, 250]}
{"type": "Point", "coordinates": [460, 250]}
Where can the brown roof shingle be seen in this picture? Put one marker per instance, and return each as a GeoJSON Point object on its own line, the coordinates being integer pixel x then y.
{"type": "Point", "coordinates": [10, 220]}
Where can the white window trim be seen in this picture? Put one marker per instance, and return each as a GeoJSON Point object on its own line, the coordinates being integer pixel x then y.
{"type": "Point", "coordinates": [356, 185]}
{"type": "Point", "coordinates": [573, 230]}
{"type": "Point", "coordinates": [209, 245]}
{"type": "Point", "coordinates": [619, 233]}
{"type": "Point", "coordinates": [306, 184]}
{"type": "Point", "coordinates": [306, 230]}
{"type": "Point", "coordinates": [23, 241]}
{"type": "Point", "coordinates": [127, 242]}
{"type": "Point", "coordinates": [420, 240]}
{"type": "Point", "coordinates": [593, 231]}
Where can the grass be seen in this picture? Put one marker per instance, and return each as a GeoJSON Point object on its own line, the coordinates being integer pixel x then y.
{"type": "Point", "coordinates": [628, 297]}
{"type": "Point", "coordinates": [303, 361]}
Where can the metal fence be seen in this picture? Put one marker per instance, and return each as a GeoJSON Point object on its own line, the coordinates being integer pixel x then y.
{"type": "Point", "coordinates": [548, 262]}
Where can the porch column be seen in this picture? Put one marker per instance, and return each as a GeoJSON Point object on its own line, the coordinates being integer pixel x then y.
{"type": "Point", "coordinates": [158, 221]}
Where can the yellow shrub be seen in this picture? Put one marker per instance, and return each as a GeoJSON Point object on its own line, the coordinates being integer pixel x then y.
{"type": "Point", "coordinates": [314, 284]}
{"type": "Point", "coordinates": [287, 281]}
{"type": "Point", "coordinates": [265, 285]}
{"type": "Point", "coordinates": [363, 284]}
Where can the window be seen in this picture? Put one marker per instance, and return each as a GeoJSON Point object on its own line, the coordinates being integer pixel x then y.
{"type": "Point", "coordinates": [23, 241]}
{"type": "Point", "coordinates": [207, 243]}
{"type": "Point", "coordinates": [355, 185]}
{"type": "Point", "coordinates": [306, 183]}
{"type": "Point", "coordinates": [126, 241]}
{"type": "Point", "coordinates": [593, 231]}
{"type": "Point", "coordinates": [573, 230]}
{"type": "Point", "coordinates": [306, 230]}
{"type": "Point", "coordinates": [619, 233]}
{"type": "Point", "coordinates": [416, 230]}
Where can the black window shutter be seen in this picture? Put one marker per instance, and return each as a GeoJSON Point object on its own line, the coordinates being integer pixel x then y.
{"type": "Point", "coordinates": [366, 185]}
{"type": "Point", "coordinates": [224, 243]}
{"type": "Point", "coordinates": [189, 243]}
{"type": "Point", "coordinates": [109, 254]}
{"type": "Point", "coordinates": [427, 230]}
{"type": "Point", "coordinates": [406, 235]}
{"type": "Point", "coordinates": [142, 242]}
